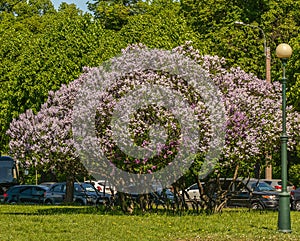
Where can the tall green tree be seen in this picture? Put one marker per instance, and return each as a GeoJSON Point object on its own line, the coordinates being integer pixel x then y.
{"type": "Point", "coordinates": [114, 14]}
{"type": "Point", "coordinates": [162, 26]}
{"type": "Point", "coordinates": [42, 52]}
{"type": "Point", "coordinates": [243, 46]}
{"type": "Point", "coordinates": [25, 8]}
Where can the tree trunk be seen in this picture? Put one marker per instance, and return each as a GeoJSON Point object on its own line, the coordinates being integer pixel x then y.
{"type": "Point", "coordinates": [69, 189]}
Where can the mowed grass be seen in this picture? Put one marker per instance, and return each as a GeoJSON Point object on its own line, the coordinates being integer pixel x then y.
{"type": "Point", "coordinates": [59, 223]}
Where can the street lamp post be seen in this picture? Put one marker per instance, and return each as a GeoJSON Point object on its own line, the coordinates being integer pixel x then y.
{"type": "Point", "coordinates": [284, 51]}
{"type": "Point", "coordinates": [268, 170]}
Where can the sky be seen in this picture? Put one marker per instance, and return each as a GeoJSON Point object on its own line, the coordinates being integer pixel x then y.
{"type": "Point", "coordinates": [79, 3]}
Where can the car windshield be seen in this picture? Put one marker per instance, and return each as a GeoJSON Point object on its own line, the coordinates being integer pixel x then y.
{"type": "Point", "coordinates": [165, 192]}
{"type": "Point", "coordinates": [261, 186]}
{"type": "Point", "coordinates": [6, 174]}
{"type": "Point", "coordinates": [86, 186]}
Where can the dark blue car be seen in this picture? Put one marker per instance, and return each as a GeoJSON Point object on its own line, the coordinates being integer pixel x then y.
{"type": "Point", "coordinates": [84, 194]}
{"type": "Point", "coordinates": [31, 194]}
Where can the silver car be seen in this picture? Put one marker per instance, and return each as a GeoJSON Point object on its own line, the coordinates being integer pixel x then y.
{"type": "Point", "coordinates": [277, 184]}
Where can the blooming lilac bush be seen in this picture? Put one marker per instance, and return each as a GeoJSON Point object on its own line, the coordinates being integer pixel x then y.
{"type": "Point", "coordinates": [152, 112]}
{"type": "Point", "coordinates": [252, 128]}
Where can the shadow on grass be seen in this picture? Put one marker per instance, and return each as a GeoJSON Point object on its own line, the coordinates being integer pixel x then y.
{"type": "Point", "coordinates": [101, 210]}
{"type": "Point", "coordinates": [70, 210]}
{"type": "Point", "coordinates": [54, 211]}
{"type": "Point", "coordinates": [118, 212]}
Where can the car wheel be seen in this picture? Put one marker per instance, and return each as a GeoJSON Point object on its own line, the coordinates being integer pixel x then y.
{"type": "Point", "coordinates": [79, 202]}
{"type": "Point", "coordinates": [98, 202]}
{"type": "Point", "coordinates": [48, 202]}
{"type": "Point", "coordinates": [257, 206]}
{"type": "Point", "coordinates": [297, 206]}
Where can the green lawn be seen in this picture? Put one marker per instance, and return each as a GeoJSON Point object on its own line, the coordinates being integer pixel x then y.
{"type": "Point", "coordinates": [43, 223]}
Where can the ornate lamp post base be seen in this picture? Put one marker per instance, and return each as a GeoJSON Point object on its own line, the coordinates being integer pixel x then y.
{"type": "Point", "coordinates": [284, 219]}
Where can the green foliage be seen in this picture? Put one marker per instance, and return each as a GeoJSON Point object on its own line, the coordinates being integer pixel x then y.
{"type": "Point", "coordinates": [115, 14]}
{"type": "Point", "coordinates": [161, 27]}
{"type": "Point", "coordinates": [294, 174]}
{"type": "Point", "coordinates": [243, 46]}
{"type": "Point", "coordinates": [293, 74]}
{"type": "Point", "coordinates": [23, 8]}
{"type": "Point", "coordinates": [40, 53]}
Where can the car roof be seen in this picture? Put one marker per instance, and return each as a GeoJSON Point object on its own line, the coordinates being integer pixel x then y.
{"type": "Point", "coordinates": [267, 179]}
{"type": "Point", "coordinates": [28, 185]}
{"type": "Point", "coordinates": [75, 183]}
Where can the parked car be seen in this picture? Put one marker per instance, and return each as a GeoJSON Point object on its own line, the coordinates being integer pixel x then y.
{"type": "Point", "coordinates": [251, 193]}
{"type": "Point", "coordinates": [295, 199]}
{"type": "Point", "coordinates": [47, 184]}
{"type": "Point", "coordinates": [277, 183]}
{"type": "Point", "coordinates": [192, 192]}
{"type": "Point", "coordinates": [84, 194]}
{"type": "Point", "coordinates": [8, 174]}
{"type": "Point", "coordinates": [2, 192]}
{"type": "Point", "coordinates": [32, 194]}
{"type": "Point", "coordinates": [162, 197]}
{"type": "Point", "coordinates": [102, 185]}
